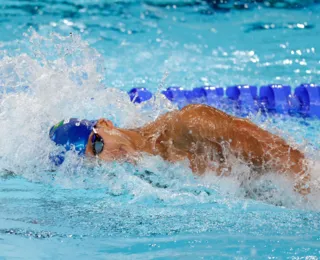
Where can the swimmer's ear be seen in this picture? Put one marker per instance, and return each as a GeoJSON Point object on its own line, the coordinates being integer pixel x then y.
{"type": "Point", "coordinates": [105, 123]}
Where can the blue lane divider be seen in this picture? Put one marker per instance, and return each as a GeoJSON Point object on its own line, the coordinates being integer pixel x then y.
{"type": "Point", "coordinates": [214, 95]}
{"type": "Point", "coordinates": [309, 98]}
{"type": "Point", "coordinates": [303, 97]}
{"type": "Point", "coordinates": [275, 98]}
{"type": "Point", "coordinates": [196, 96]}
{"type": "Point", "coordinates": [176, 95]}
{"type": "Point", "coordinates": [244, 97]}
{"type": "Point", "coordinates": [201, 95]}
{"type": "Point", "coordinates": [138, 95]}
{"type": "Point", "coordinates": [205, 95]}
{"type": "Point", "coordinates": [314, 98]}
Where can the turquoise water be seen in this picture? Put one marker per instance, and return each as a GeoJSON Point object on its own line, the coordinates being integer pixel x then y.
{"type": "Point", "coordinates": [92, 210]}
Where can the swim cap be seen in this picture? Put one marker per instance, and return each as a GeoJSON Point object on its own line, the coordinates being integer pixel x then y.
{"type": "Point", "coordinates": [72, 134]}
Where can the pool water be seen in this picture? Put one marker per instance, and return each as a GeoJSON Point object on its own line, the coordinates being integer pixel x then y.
{"type": "Point", "coordinates": [78, 59]}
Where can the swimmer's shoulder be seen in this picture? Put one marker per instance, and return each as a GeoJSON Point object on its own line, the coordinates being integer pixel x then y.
{"type": "Point", "coordinates": [192, 107]}
{"type": "Point", "coordinates": [198, 110]}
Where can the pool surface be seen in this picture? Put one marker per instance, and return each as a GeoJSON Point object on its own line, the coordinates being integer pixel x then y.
{"type": "Point", "coordinates": [78, 59]}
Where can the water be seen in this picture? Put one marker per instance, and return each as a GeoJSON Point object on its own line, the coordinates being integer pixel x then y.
{"type": "Point", "coordinates": [155, 209]}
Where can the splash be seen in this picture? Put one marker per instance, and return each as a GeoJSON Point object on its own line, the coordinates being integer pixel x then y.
{"type": "Point", "coordinates": [63, 75]}
{"type": "Point", "coordinates": [65, 79]}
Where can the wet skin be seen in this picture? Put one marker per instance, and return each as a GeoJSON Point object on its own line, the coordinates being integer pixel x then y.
{"type": "Point", "coordinates": [207, 137]}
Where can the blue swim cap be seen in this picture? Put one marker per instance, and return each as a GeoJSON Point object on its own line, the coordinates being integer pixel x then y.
{"type": "Point", "coordinates": [72, 134]}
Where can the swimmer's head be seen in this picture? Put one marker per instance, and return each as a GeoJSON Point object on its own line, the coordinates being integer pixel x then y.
{"type": "Point", "coordinates": [78, 135]}
{"type": "Point", "coordinates": [72, 134]}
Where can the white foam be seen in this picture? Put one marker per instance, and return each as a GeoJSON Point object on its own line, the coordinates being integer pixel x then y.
{"type": "Point", "coordinates": [65, 76]}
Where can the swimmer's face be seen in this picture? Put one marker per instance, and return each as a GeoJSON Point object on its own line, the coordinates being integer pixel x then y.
{"type": "Point", "coordinates": [116, 145]}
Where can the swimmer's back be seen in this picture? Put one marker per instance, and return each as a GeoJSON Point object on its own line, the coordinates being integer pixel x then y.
{"type": "Point", "coordinates": [246, 140]}
{"type": "Point", "coordinates": [207, 123]}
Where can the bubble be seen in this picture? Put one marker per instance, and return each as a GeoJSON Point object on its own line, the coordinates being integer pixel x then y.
{"type": "Point", "coordinates": [65, 79]}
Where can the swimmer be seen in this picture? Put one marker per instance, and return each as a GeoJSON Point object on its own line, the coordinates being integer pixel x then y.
{"type": "Point", "coordinates": [205, 136]}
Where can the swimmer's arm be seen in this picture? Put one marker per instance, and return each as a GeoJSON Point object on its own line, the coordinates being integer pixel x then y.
{"type": "Point", "coordinates": [199, 167]}
{"type": "Point", "coordinates": [293, 162]}
{"type": "Point", "coordinates": [269, 151]}
{"type": "Point", "coordinates": [215, 162]}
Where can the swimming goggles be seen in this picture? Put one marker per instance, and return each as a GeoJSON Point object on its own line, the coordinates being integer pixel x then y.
{"type": "Point", "coordinates": [97, 142]}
